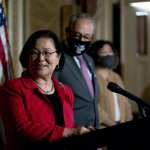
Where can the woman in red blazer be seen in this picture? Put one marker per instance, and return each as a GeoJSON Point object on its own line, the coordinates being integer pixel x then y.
{"type": "Point", "coordinates": [36, 106]}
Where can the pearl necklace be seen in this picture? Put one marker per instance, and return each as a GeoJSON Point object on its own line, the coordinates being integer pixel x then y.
{"type": "Point", "coordinates": [47, 92]}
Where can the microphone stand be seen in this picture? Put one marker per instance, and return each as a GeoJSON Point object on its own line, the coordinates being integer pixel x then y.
{"type": "Point", "coordinates": [144, 108]}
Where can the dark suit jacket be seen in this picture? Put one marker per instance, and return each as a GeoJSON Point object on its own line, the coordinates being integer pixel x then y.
{"type": "Point", "coordinates": [28, 114]}
{"type": "Point", "coordinates": [85, 107]}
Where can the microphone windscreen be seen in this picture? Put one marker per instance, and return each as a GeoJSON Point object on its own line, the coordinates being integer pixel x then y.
{"type": "Point", "coordinates": [113, 87]}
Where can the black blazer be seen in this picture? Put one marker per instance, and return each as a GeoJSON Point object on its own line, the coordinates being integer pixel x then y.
{"type": "Point", "coordinates": [85, 107]}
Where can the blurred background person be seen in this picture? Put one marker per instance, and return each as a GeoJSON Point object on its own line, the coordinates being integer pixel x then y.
{"type": "Point", "coordinates": [146, 94]}
{"type": "Point", "coordinates": [114, 108]}
{"type": "Point", "coordinates": [36, 107]}
{"type": "Point", "coordinates": [79, 69]}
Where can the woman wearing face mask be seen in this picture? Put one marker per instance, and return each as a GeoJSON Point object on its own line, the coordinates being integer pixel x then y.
{"type": "Point", "coordinates": [114, 108]}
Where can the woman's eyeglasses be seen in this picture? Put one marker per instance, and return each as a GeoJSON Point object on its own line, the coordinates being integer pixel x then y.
{"type": "Point", "coordinates": [45, 52]}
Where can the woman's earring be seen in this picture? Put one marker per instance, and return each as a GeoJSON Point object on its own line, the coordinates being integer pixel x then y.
{"type": "Point", "coordinates": [57, 67]}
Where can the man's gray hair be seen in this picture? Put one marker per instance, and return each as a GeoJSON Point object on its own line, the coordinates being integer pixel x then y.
{"type": "Point", "coordinates": [74, 18]}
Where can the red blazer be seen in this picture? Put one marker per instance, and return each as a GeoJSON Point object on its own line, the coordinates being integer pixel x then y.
{"type": "Point", "coordinates": [28, 113]}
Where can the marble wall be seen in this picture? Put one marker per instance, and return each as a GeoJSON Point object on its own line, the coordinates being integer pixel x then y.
{"type": "Point", "coordinates": [26, 16]}
{"type": "Point", "coordinates": [45, 15]}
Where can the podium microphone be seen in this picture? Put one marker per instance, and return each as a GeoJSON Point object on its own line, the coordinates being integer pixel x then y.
{"type": "Point", "coordinates": [117, 89]}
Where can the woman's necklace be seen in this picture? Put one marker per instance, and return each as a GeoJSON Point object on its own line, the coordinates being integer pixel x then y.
{"type": "Point", "coordinates": [47, 92]}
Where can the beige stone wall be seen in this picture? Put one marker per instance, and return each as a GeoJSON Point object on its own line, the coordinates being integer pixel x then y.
{"type": "Point", "coordinates": [45, 15]}
{"type": "Point", "coordinates": [27, 16]}
{"type": "Point", "coordinates": [32, 15]}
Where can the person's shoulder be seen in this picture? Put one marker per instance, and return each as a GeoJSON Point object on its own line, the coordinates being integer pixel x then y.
{"type": "Point", "coordinates": [68, 92]}
{"type": "Point", "coordinates": [65, 89]}
{"type": "Point", "coordinates": [17, 84]}
{"type": "Point", "coordinates": [12, 82]}
{"type": "Point", "coordinates": [62, 85]}
{"type": "Point", "coordinates": [118, 79]}
{"type": "Point", "coordinates": [65, 86]}
{"type": "Point", "coordinates": [64, 44]}
{"type": "Point", "coordinates": [66, 56]}
{"type": "Point", "coordinates": [65, 49]}
{"type": "Point", "coordinates": [13, 85]}
{"type": "Point", "coordinates": [88, 57]}
{"type": "Point", "coordinates": [115, 74]}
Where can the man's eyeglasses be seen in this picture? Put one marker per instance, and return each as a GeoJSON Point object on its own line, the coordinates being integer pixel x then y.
{"type": "Point", "coordinates": [45, 52]}
{"type": "Point", "coordinates": [79, 36]}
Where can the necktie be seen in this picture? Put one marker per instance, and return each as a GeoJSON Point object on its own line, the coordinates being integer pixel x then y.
{"type": "Point", "coordinates": [85, 73]}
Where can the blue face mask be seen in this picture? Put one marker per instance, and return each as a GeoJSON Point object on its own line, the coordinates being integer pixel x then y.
{"type": "Point", "coordinates": [109, 61]}
{"type": "Point", "coordinates": [77, 47]}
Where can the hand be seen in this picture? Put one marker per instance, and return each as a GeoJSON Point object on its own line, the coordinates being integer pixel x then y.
{"type": "Point", "coordinates": [69, 132]}
{"type": "Point", "coordinates": [91, 128]}
{"type": "Point", "coordinates": [84, 130]}
{"type": "Point", "coordinates": [75, 131]}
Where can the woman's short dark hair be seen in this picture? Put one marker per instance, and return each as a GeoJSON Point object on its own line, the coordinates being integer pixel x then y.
{"type": "Point", "coordinates": [31, 42]}
{"type": "Point", "coordinates": [97, 45]}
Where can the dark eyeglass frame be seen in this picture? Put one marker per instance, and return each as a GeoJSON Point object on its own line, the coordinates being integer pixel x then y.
{"type": "Point", "coordinates": [36, 53]}
{"type": "Point", "coordinates": [79, 36]}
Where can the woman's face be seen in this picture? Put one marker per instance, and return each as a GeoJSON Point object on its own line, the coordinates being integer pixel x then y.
{"type": "Point", "coordinates": [43, 59]}
{"type": "Point", "coordinates": [105, 50]}
{"type": "Point", "coordinates": [106, 57]}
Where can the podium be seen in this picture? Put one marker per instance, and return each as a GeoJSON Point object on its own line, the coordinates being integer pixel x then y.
{"type": "Point", "coordinates": [133, 135]}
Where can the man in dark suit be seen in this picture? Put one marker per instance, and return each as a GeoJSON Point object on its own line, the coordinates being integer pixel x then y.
{"type": "Point", "coordinates": [79, 71]}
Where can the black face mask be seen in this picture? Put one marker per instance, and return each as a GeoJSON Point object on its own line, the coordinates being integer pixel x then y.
{"type": "Point", "coordinates": [77, 47]}
{"type": "Point", "coordinates": [109, 61]}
